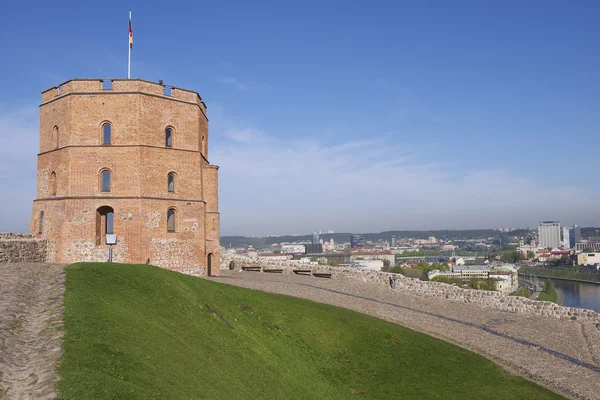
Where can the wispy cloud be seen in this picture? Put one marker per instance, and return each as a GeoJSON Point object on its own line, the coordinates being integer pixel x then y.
{"type": "Point", "coordinates": [241, 84]}
{"type": "Point", "coordinates": [18, 170]}
{"type": "Point", "coordinates": [273, 186]}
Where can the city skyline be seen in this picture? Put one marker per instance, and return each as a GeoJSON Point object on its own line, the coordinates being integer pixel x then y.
{"type": "Point", "coordinates": [393, 116]}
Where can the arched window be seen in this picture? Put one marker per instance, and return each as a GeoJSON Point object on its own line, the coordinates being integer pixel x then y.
{"type": "Point", "coordinates": [52, 184]}
{"type": "Point", "coordinates": [106, 133]}
{"type": "Point", "coordinates": [171, 220]}
{"type": "Point", "coordinates": [105, 180]}
{"type": "Point", "coordinates": [105, 219]}
{"type": "Point", "coordinates": [169, 137]}
{"type": "Point", "coordinates": [41, 223]}
{"type": "Point", "coordinates": [171, 182]}
{"type": "Point", "coordinates": [55, 136]}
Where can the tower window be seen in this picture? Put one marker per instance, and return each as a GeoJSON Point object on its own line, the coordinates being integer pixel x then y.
{"type": "Point", "coordinates": [171, 220]}
{"type": "Point", "coordinates": [168, 90]}
{"type": "Point", "coordinates": [107, 84]}
{"type": "Point", "coordinates": [55, 136]}
{"type": "Point", "coordinates": [171, 182]}
{"type": "Point", "coordinates": [106, 133]}
{"type": "Point", "coordinates": [52, 184]}
{"type": "Point", "coordinates": [41, 223]}
{"type": "Point", "coordinates": [105, 180]}
{"type": "Point", "coordinates": [169, 137]}
{"type": "Point", "coordinates": [105, 219]}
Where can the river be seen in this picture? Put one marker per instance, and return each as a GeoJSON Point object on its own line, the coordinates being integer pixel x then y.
{"type": "Point", "coordinates": [578, 294]}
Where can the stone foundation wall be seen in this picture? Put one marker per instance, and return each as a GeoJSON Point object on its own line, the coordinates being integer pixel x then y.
{"type": "Point", "coordinates": [19, 248]}
{"type": "Point", "coordinates": [481, 298]}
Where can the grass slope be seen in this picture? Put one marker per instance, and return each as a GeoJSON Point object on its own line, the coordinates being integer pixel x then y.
{"type": "Point", "coordinates": [141, 332]}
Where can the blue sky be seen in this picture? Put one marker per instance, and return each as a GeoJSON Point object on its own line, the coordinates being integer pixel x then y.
{"type": "Point", "coordinates": [324, 115]}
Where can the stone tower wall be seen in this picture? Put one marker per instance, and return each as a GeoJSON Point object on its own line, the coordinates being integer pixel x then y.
{"type": "Point", "coordinates": [139, 162]}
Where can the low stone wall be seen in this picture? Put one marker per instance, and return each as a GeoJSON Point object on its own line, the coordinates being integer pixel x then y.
{"type": "Point", "coordinates": [482, 298]}
{"type": "Point", "coordinates": [19, 248]}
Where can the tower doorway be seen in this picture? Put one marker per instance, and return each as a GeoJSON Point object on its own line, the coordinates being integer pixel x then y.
{"type": "Point", "coordinates": [209, 264]}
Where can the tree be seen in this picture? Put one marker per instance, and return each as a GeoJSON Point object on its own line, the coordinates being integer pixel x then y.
{"type": "Point", "coordinates": [474, 283]}
{"type": "Point", "coordinates": [548, 286]}
{"type": "Point", "coordinates": [386, 264]}
{"type": "Point", "coordinates": [530, 255]}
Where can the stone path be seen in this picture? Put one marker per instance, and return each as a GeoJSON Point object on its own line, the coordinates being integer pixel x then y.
{"type": "Point", "coordinates": [561, 355]}
{"type": "Point", "coordinates": [31, 329]}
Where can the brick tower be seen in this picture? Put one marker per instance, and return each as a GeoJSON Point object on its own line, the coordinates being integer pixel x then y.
{"type": "Point", "coordinates": [127, 157]}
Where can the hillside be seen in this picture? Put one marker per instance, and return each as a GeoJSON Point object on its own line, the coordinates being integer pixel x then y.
{"type": "Point", "coordinates": [238, 241]}
{"type": "Point", "coordinates": [141, 332]}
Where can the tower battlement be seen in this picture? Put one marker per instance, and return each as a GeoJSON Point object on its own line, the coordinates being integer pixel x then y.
{"type": "Point", "coordinates": [121, 85]}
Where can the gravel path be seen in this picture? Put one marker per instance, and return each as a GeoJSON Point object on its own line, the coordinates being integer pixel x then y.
{"type": "Point", "coordinates": [31, 312]}
{"type": "Point", "coordinates": [561, 355]}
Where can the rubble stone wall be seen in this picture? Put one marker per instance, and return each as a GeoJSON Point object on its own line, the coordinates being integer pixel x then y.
{"type": "Point", "coordinates": [19, 248]}
{"type": "Point", "coordinates": [481, 298]}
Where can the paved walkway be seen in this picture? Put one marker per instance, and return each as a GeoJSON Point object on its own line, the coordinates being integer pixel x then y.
{"type": "Point", "coordinates": [31, 312]}
{"type": "Point", "coordinates": [561, 355]}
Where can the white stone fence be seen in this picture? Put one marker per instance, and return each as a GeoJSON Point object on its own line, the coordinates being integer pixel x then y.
{"type": "Point", "coordinates": [482, 298]}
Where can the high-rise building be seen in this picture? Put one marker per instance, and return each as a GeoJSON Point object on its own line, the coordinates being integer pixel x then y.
{"type": "Point", "coordinates": [576, 234]}
{"type": "Point", "coordinates": [315, 238]}
{"type": "Point", "coordinates": [357, 241]}
{"type": "Point", "coordinates": [567, 234]}
{"type": "Point", "coordinates": [549, 234]}
{"type": "Point", "coordinates": [393, 240]}
{"type": "Point", "coordinates": [504, 238]}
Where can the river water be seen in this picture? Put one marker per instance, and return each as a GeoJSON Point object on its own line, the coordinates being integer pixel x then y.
{"type": "Point", "coordinates": [578, 294]}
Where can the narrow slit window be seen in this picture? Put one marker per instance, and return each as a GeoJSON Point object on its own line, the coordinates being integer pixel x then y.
{"type": "Point", "coordinates": [52, 184]}
{"type": "Point", "coordinates": [171, 182]}
{"type": "Point", "coordinates": [169, 137]}
{"type": "Point", "coordinates": [171, 220]}
{"type": "Point", "coordinates": [106, 181]}
{"type": "Point", "coordinates": [106, 133]}
{"type": "Point", "coordinates": [41, 224]}
{"type": "Point", "coordinates": [55, 136]}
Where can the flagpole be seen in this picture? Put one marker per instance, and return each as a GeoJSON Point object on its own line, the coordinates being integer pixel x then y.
{"type": "Point", "coordinates": [129, 47]}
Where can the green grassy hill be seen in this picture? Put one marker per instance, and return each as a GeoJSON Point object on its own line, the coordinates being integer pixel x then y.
{"type": "Point", "coordinates": [141, 332]}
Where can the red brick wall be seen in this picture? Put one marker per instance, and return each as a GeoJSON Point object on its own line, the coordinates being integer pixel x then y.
{"type": "Point", "coordinates": [139, 163]}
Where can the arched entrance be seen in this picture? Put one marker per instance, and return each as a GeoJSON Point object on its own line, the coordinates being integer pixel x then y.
{"type": "Point", "coordinates": [209, 264]}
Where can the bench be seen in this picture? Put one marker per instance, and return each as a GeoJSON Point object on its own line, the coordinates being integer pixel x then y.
{"type": "Point", "coordinates": [302, 271]}
{"type": "Point", "coordinates": [252, 268]}
{"type": "Point", "coordinates": [322, 274]}
{"type": "Point", "coordinates": [274, 270]}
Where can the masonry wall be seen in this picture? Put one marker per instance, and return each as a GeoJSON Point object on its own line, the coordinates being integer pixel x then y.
{"type": "Point", "coordinates": [17, 248]}
{"type": "Point", "coordinates": [481, 298]}
{"type": "Point", "coordinates": [71, 147]}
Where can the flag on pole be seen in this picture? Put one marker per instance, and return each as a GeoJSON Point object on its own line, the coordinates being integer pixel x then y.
{"type": "Point", "coordinates": [130, 32]}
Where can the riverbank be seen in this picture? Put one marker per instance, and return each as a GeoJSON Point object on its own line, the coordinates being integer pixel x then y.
{"type": "Point", "coordinates": [559, 274]}
{"type": "Point", "coordinates": [549, 292]}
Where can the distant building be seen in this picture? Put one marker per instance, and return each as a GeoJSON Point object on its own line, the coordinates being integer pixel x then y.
{"type": "Point", "coordinates": [589, 259]}
{"type": "Point", "coordinates": [357, 241]}
{"type": "Point", "coordinates": [567, 234]}
{"type": "Point", "coordinates": [315, 238]}
{"type": "Point", "coordinates": [313, 248]}
{"type": "Point", "coordinates": [549, 234]}
{"type": "Point", "coordinates": [393, 240]}
{"type": "Point", "coordinates": [293, 248]}
{"type": "Point", "coordinates": [576, 234]}
{"type": "Point", "coordinates": [589, 243]}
